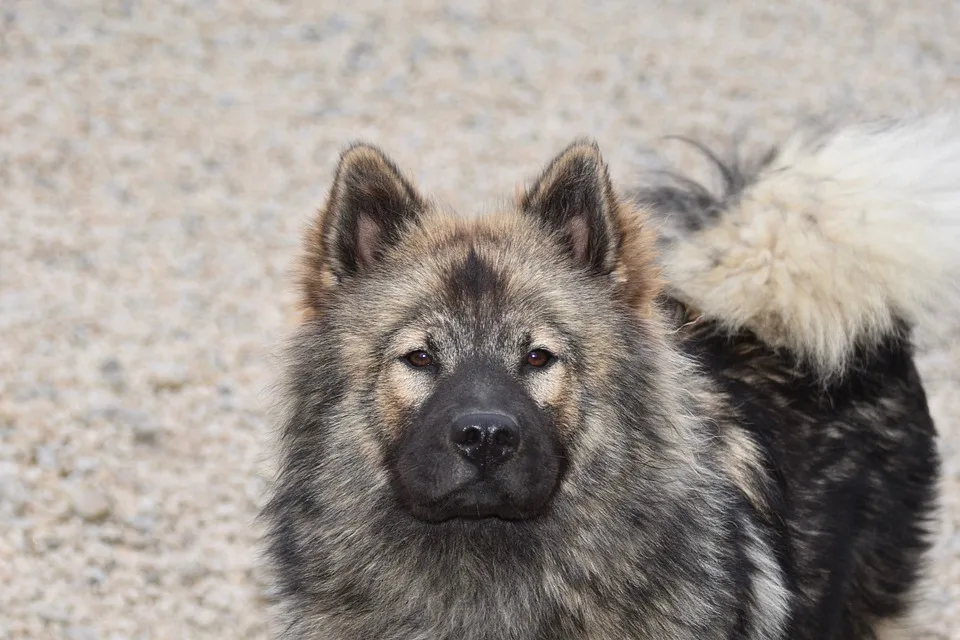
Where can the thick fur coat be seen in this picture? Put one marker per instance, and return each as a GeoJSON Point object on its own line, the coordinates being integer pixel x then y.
{"type": "Point", "coordinates": [674, 416]}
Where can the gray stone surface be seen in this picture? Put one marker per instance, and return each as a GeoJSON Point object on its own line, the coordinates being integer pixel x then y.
{"type": "Point", "coordinates": [158, 161]}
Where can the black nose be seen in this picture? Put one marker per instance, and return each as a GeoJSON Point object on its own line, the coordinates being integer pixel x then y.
{"type": "Point", "coordinates": [485, 439]}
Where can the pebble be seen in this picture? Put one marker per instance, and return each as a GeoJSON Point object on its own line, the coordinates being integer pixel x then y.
{"type": "Point", "coordinates": [204, 618]}
{"type": "Point", "coordinates": [113, 374]}
{"type": "Point", "coordinates": [84, 465]}
{"type": "Point", "coordinates": [94, 576]}
{"type": "Point", "coordinates": [168, 376]}
{"type": "Point", "coordinates": [52, 542]}
{"type": "Point", "coordinates": [14, 495]}
{"type": "Point", "coordinates": [144, 428]}
{"type": "Point", "coordinates": [54, 613]}
{"type": "Point", "coordinates": [192, 573]}
{"type": "Point", "coordinates": [144, 522]}
{"type": "Point", "coordinates": [82, 633]}
{"type": "Point", "coordinates": [145, 432]}
{"type": "Point", "coordinates": [90, 503]}
{"type": "Point", "coordinates": [111, 534]}
{"type": "Point", "coordinates": [45, 457]}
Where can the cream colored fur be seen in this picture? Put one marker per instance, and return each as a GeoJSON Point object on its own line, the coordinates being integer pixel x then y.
{"type": "Point", "coordinates": [837, 238]}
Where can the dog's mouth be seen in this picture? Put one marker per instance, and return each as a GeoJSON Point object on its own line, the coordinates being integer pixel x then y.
{"type": "Point", "coordinates": [476, 502]}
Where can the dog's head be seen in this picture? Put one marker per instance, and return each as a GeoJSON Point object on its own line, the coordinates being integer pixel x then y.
{"type": "Point", "coordinates": [466, 366]}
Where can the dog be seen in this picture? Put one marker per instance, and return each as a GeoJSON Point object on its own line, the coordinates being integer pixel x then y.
{"type": "Point", "coordinates": [665, 415]}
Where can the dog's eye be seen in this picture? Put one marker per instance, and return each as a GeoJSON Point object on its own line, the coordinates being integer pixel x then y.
{"type": "Point", "coordinates": [539, 357]}
{"type": "Point", "coordinates": [419, 358]}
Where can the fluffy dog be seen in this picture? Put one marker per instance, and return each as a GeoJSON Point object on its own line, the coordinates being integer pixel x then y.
{"type": "Point", "coordinates": [673, 415]}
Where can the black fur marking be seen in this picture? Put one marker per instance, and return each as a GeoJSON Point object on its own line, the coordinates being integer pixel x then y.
{"type": "Point", "coordinates": [836, 458]}
{"type": "Point", "coordinates": [474, 278]}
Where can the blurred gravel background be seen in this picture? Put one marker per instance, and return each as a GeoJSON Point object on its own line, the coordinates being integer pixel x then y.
{"type": "Point", "coordinates": [158, 161]}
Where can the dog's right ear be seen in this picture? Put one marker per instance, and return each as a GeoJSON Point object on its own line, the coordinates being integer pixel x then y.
{"type": "Point", "coordinates": [369, 206]}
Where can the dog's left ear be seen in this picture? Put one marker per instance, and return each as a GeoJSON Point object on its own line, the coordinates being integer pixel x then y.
{"type": "Point", "coordinates": [574, 199]}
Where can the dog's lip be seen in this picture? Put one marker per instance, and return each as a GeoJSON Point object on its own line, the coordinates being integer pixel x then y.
{"type": "Point", "coordinates": [457, 506]}
{"type": "Point", "coordinates": [433, 517]}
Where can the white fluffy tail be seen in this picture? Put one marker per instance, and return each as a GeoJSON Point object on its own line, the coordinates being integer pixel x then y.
{"type": "Point", "coordinates": [830, 244]}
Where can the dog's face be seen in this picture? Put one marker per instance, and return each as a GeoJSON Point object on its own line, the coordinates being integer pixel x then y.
{"type": "Point", "coordinates": [469, 348]}
{"type": "Point", "coordinates": [479, 435]}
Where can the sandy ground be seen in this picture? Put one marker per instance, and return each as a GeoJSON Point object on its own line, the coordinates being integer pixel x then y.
{"type": "Point", "coordinates": [158, 161]}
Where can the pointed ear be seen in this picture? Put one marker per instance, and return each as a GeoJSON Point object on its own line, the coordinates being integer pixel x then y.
{"type": "Point", "coordinates": [369, 206]}
{"type": "Point", "coordinates": [574, 199]}
{"type": "Point", "coordinates": [367, 211]}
